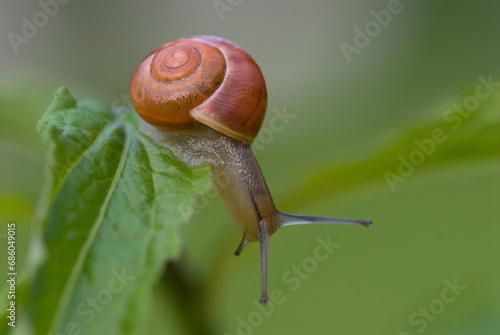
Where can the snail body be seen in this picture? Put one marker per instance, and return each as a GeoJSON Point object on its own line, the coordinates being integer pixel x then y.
{"type": "Point", "coordinates": [205, 98]}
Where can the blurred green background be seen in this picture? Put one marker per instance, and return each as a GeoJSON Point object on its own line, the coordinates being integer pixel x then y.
{"type": "Point", "coordinates": [440, 224]}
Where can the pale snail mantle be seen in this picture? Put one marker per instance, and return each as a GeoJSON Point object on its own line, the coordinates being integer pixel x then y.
{"type": "Point", "coordinates": [205, 99]}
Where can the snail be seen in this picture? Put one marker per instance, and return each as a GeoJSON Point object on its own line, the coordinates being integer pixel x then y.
{"type": "Point", "coordinates": [205, 98]}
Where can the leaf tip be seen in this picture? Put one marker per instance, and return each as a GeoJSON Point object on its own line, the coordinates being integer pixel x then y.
{"type": "Point", "coordinates": [62, 100]}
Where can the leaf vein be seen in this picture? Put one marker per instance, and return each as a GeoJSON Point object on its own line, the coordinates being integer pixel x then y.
{"type": "Point", "coordinates": [73, 277]}
{"type": "Point", "coordinates": [84, 153]}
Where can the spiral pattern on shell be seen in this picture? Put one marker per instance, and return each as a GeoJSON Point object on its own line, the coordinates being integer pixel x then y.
{"type": "Point", "coordinates": [203, 79]}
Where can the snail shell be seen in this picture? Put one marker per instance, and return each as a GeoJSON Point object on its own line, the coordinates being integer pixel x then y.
{"type": "Point", "coordinates": [201, 78]}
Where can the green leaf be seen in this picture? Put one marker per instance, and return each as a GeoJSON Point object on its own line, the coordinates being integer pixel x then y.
{"type": "Point", "coordinates": [109, 215]}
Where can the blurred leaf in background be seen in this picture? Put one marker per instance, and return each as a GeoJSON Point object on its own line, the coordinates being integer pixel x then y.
{"type": "Point", "coordinates": [21, 168]}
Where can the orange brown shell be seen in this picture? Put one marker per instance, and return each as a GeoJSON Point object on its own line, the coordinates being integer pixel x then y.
{"type": "Point", "coordinates": [203, 79]}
